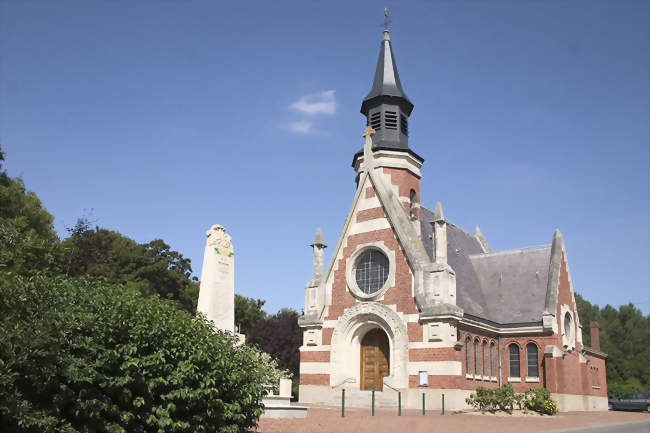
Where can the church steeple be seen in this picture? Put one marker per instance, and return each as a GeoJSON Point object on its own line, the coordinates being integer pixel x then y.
{"type": "Point", "coordinates": [387, 107]}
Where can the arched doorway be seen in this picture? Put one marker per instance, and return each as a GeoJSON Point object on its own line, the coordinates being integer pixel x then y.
{"type": "Point", "coordinates": [374, 359]}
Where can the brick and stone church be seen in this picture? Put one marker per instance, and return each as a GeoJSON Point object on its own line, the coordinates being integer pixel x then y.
{"type": "Point", "coordinates": [412, 303]}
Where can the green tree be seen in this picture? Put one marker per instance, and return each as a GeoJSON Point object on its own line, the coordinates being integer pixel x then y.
{"type": "Point", "coordinates": [280, 336]}
{"type": "Point", "coordinates": [27, 238]}
{"type": "Point", "coordinates": [153, 268]}
{"type": "Point", "coordinates": [82, 355]}
{"type": "Point", "coordinates": [625, 337]}
{"type": "Point", "coordinates": [248, 312]}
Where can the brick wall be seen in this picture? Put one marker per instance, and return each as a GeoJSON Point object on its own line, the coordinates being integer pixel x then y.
{"type": "Point", "coordinates": [315, 356]}
{"type": "Point", "coordinates": [314, 379]}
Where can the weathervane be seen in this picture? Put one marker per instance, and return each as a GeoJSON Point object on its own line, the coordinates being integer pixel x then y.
{"type": "Point", "coordinates": [387, 19]}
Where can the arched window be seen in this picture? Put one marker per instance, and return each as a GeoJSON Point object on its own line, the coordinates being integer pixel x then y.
{"type": "Point", "coordinates": [483, 349]}
{"type": "Point", "coordinates": [513, 358]}
{"type": "Point", "coordinates": [567, 325]}
{"type": "Point", "coordinates": [412, 197]}
{"type": "Point", "coordinates": [476, 357]}
{"type": "Point", "coordinates": [468, 356]}
{"type": "Point", "coordinates": [492, 360]}
{"type": "Point", "coordinates": [532, 370]}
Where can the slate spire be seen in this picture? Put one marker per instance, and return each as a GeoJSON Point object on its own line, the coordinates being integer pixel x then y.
{"type": "Point", "coordinates": [387, 107]}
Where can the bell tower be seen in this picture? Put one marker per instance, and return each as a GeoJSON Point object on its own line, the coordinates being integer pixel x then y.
{"type": "Point", "coordinates": [386, 107]}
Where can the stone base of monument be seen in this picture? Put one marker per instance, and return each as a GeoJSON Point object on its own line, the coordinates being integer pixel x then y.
{"type": "Point", "coordinates": [279, 406]}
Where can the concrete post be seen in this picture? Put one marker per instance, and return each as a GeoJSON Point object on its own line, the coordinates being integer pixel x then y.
{"type": "Point", "coordinates": [311, 291]}
{"type": "Point", "coordinates": [319, 254]}
{"type": "Point", "coordinates": [439, 235]}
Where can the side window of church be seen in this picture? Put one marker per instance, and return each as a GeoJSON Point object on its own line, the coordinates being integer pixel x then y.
{"type": "Point", "coordinates": [492, 359]}
{"type": "Point", "coordinates": [412, 203]}
{"type": "Point", "coordinates": [531, 358]}
{"type": "Point", "coordinates": [468, 356]}
{"type": "Point", "coordinates": [476, 357]}
{"type": "Point", "coordinates": [483, 358]}
{"type": "Point", "coordinates": [513, 355]}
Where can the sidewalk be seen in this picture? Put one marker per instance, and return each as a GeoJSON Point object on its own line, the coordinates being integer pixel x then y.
{"type": "Point", "coordinates": [328, 420]}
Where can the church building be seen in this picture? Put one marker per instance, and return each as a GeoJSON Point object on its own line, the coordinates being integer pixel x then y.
{"type": "Point", "coordinates": [412, 303]}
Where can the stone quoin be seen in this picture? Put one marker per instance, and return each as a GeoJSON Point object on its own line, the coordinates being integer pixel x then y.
{"type": "Point", "coordinates": [412, 303]}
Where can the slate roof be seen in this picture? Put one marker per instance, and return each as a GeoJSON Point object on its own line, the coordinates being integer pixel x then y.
{"type": "Point", "coordinates": [504, 287]}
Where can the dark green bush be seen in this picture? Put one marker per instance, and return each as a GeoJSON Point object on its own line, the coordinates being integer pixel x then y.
{"type": "Point", "coordinates": [81, 355]}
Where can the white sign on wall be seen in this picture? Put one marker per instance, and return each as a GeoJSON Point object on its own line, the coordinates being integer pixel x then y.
{"type": "Point", "coordinates": [424, 378]}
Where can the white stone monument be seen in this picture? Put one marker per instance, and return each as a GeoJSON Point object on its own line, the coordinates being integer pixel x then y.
{"type": "Point", "coordinates": [217, 290]}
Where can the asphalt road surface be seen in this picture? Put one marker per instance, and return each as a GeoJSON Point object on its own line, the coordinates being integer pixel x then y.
{"type": "Point", "coordinates": [635, 427]}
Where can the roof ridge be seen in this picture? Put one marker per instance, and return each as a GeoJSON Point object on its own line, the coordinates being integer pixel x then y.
{"type": "Point", "coordinates": [511, 251]}
{"type": "Point", "coordinates": [450, 223]}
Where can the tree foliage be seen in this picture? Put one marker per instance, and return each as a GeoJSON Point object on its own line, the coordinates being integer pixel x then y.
{"type": "Point", "coordinates": [27, 237]}
{"type": "Point", "coordinates": [248, 312]}
{"type": "Point", "coordinates": [28, 243]}
{"type": "Point", "coordinates": [154, 268]}
{"type": "Point", "coordinates": [280, 336]}
{"type": "Point", "coordinates": [625, 337]}
{"type": "Point", "coordinates": [82, 355]}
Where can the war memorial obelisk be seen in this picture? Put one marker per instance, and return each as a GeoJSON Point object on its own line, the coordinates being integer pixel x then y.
{"type": "Point", "coordinates": [217, 289]}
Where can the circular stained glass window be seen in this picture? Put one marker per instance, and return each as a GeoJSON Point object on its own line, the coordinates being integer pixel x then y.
{"type": "Point", "coordinates": [371, 271]}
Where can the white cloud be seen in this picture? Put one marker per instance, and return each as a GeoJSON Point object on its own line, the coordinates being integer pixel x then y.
{"type": "Point", "coordinates": [316, 103]}
{"type": "Point", "coordinates": [300, 126]}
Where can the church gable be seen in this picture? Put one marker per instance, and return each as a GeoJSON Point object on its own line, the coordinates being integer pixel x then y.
{"type": "Point", "coordinates": [369, 229]}
{"type": "Point", "coordinates": [569, 328]}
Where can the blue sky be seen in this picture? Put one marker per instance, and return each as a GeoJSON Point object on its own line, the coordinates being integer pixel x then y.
{"type": "Point", "coordinates": [166, 117]}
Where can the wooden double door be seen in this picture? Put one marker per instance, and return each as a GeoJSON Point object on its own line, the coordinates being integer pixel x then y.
{"type": "Point", "coordinates": [374, 360]}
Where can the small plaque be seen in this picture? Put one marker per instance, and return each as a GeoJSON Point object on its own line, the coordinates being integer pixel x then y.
{"type": "Point", "coordinates": [424, 378]}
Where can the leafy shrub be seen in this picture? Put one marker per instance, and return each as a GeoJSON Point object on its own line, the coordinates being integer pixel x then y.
{"type": "Point", "coordinates": [520, 400]}
{"type": "Point", "coordinates": [539, 400]}
{"type": "Point", "coordinates": [504, 398]}
{"type": "Point", "coordinates": [81, 355]}
{"type": "Point", "coordinates": [483, 399]}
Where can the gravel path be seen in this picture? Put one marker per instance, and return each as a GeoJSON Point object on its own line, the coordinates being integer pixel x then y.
{"type": "Point", "coordinates": [328, 420]}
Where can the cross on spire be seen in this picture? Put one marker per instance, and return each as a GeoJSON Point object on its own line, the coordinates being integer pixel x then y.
{"type": "Point", "coordinates": [367, 147]}
{"type": "Point", "coordinates": [368, 132]}
{"type": "Point", "coordinates": [387, 18]}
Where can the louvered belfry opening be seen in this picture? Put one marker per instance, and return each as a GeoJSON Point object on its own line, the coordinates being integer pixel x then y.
{"type": "Point", "coordinates": [375, 120]}
{"type": "Point", "coordinates": [390, 125]}
{"type": "Point", "coordinates": [390, 119]}
{"type": "Point", "coordinates": [404, 125]}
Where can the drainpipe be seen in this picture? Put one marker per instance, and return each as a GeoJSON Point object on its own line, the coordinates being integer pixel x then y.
{"type": "Point", "coordinates": [499, 352]}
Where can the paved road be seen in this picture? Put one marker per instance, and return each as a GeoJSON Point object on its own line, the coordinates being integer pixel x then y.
{"type": "Point", "coordinates": [635, 427]}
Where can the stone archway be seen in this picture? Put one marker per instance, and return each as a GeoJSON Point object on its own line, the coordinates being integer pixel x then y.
{"type": "Point", "coordinates": [347, 337]}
